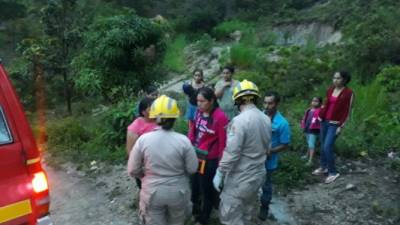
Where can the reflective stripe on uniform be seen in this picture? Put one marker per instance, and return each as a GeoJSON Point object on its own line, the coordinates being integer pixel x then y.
{"type": "Point", "coordinates": [15, 210]}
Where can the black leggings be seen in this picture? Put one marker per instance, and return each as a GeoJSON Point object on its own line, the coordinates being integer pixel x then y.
{"type": "Point", "coordinates": [204, 196]}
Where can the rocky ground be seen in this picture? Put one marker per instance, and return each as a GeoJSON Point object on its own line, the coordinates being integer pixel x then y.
{"type": "Point", "coordinates": [366, 193]}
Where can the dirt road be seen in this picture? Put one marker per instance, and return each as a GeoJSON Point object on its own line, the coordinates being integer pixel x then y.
{"type": "Point", "coordinates": [79, 199]}
{"type": "Point", "coordinates": [366, 193]}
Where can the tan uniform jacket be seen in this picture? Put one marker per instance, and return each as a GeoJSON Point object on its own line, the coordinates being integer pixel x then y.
{"type": "Point", "coordinates": [162, 158]}
{"type": "Point", "coordinates": [243, 160]}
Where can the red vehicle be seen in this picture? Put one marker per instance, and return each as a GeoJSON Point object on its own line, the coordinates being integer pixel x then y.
{"type": "Point", "coordinates": [24, 192]}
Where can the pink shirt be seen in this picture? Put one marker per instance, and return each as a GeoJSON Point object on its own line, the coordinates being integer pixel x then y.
{"type": "Point", "coordinates": [332, 102]}
{"type": "Point", "coordinates": [140, 126]}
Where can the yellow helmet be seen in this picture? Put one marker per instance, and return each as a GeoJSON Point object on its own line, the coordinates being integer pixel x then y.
{"type": "Point", "coordinates": [245, 88]}
{"type": "Point", "coordinates": [164, 107]}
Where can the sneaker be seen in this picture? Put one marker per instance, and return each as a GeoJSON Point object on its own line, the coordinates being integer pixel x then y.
{"type": "Point", "coordinates": [331, 178]}
{"type": "Point", "coordinates": [319, 171]}
{"type": "Point", "coordinates": [263, 214]}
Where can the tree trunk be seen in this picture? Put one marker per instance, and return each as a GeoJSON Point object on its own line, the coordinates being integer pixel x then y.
{"type": "Point", "coordinates": [67, 91]}
{"type": "Point", "coordinates": [40, 95]}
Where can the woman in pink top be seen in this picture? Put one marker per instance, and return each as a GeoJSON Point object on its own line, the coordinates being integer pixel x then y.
{"type": "Point", "coordinates": [333, 115]}
{"type": "Point", "coordinates": [141, 124]}
{"type": "Point", "coordinates": [208, 136]}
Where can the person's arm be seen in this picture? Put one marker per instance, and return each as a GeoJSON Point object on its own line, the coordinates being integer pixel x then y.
{"type": "Point", "coordinates": [191, 161]}
{"type": "Point", "coordinates": [221, 133]}
{"type": "Point", "coordinates": [279, 148]}
{"type": "Point", "coordinates": [284, 139]}
{"type": "Point", "coordinates": [192, 130]}
{"type": "Point", "coordinates": [219, 89]}
{"type": "Point", "coordinates": [131, 138]}
{"type": "Point", "coordinates": [135, 161]}
{"type": "Point", "coordinates": [187, 89]}
{"type": "Point", "coordinates": [339, 129]}
{"type": "Point", "coordinates": [232, 150]}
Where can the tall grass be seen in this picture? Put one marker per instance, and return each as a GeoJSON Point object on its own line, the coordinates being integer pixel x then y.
{"type": "Point", "coordinates": [243, 56]}
{"type": "Point", "coordinates": [174, 59]}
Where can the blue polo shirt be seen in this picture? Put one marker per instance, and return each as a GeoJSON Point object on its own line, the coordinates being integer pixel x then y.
{"type": "Point", "coordinates": [280, 135]}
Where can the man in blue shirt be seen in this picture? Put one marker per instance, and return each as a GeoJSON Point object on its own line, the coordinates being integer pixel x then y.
{"type": "Point", "coordinates": [280, 141]}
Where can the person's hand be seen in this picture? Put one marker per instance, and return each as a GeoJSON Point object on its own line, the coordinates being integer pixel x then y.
{"type": "Point", "coordinates": [218, 180]}
{"type": "Point", "coordinates": [227, 84]}
{"type": "Point", "coordinates": [268, 153]}
{"type": "Point", "coordinates": [338, 130]}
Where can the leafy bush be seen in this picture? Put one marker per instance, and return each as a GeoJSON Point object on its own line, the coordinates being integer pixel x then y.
{"type": "Point", "coordinates": [292, 172]}
{"type": "Point", "coordinates": [390, 78]}
{"type": "Point", "coordinates": [372, 128]}
{"type": "Point", "coordinates": [224, 29]}
{"type": "Point", "coordinates": [115, 121]}
{"type": "Point", "coordinates": [204, 44]}
{"type": "Point", "coordinates": [289, 68]}
{"type": "Point", "coordinates": [121, 55]}
{"type": "Point", "coordinates": [66, 137]}
{"type": "Point", "coordinates": [373, 42]}
{"type": "Point", "coordinates": [174, 59]}
{"type": "Point", "coordinates": [243, 56]}
{"type": "Point", "coordinates": [198, 16]}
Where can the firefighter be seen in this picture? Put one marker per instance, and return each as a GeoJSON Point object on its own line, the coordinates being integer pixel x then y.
{"type": "Point", "coordinates": [163, 159]}
{"type": "Point", "coordinates": [241, 171]}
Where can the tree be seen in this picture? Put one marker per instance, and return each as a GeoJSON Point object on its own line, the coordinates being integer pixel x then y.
{"type": "Point", "coordinates": [121, 55]}
{"type": "Point", "coordinates": [374, 42]}
{"type": "Point", "coordinates": [61, 27]}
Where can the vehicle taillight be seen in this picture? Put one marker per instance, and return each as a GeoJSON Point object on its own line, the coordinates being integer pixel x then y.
{"type": "Point", "coordinates": [39, 182]}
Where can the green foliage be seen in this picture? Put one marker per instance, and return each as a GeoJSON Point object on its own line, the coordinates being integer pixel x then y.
{"type": "Point", "coordinates": [292, 172]}
{"type": "Point", "coordinates": [10, 10]}
{"type": "Point", "coordinates": [289, 68]}
{"type": "Point", "coordinates": [395, 165]}
{"type": "Point", "coordinates": [373, 42]}
{"type": "Point", "coordinates": [102, 137]}
{"type": "Point", "coordinates": [200, 15]}
{"type": "Point", "coordinates": [372, 128]}
{"type": "Point", "coordinates": [390, 78]}
{"type": "Point", "coordinates": [66, 137]}
{"type": "Point", "coordinates": [115, 121]}
{"type": "Point", "coordinates": [121, 53]}
{"type": "Point", "coordinates": [225, 58]}
{"type": "Point", "coordinates": [224, 29]}
{"type": "Point", "coordinates": [174, 59]}
{"type": "Point", "coordinates": [204, 44]}
{"type": "Point", "coordinates": [243, 56]}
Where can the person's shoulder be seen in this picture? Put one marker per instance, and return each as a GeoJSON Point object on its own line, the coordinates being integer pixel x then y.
{"type": "Point", "coordinates": [136, 123]}
{"type": "Point", "coordinates": [179, 136]}
{"type": "Point", "coordinates": [219, 82]}
{"type": "Point", "coordinates": [282, 119]}
{"type": "Point", "coordinates": [348, 90]}
{"type": "Point", "coordinates": [219, 114]}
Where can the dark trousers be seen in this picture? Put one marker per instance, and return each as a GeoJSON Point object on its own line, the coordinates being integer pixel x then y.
{"type": "Point", "coordinates": [267, 190]}
{"type": "Point", "coordinates": [204, 196]}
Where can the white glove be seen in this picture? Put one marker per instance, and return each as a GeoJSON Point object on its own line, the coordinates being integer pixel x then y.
{"type": "Point", "coordinates": [218, 180]}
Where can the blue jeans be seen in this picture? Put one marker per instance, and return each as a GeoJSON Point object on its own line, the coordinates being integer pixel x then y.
{"type": "Point", "coordinates": [267, 190]}
{"type": "Point", "coordinates": [328, 137]}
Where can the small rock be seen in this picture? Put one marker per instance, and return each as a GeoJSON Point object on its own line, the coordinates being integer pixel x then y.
{"type": "Point", "coordinates": [237, 35]}
{"type": "Point", "coordinates": [350, 187]}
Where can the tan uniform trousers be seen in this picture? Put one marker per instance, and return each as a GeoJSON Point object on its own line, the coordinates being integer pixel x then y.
{"type": "Point", "coordinates": [169, 205]}
{"type": "Point", "coordinates": [239, 209]}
